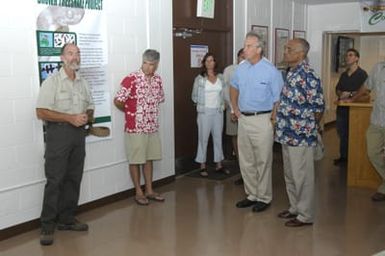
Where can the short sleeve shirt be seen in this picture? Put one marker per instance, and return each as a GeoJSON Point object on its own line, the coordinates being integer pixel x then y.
{"type": "Point", "coordinates": [259, 85]}
{"type": "Point", "coordinates": [301, 98]}
{"type": "Point", "coordinates": [353, 82]}
{"type": "Point", "coordinates": [141, 97]}
{"type": "Point", "coordinates": [61, 94]}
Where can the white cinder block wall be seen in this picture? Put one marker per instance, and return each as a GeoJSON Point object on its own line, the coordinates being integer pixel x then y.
{"type": "Point", "coordinates": [133, 26]}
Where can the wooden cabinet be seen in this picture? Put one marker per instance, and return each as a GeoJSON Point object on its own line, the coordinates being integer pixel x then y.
{"type": "Point", "coordinates": [361, 173]}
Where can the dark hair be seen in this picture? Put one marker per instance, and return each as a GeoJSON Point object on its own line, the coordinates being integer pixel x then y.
{"type": "Point", "coordinates": [354, 51]}
{"type": "Point", "coordinates": [240, 52]}
{"type": "Point", "coordinates": [204, 70]}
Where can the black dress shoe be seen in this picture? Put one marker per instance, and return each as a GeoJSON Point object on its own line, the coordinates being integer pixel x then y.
{"type": "Point", "coordinates": [245, 203]}
{"type": "Point", "coordinates": [296, 223]}
{"type": "Point", "coordinates": [238, 181]}
{"type": "Point", "coordinates": [339, 161]}
{"type": "Point", "coordinates": [286, 215]}
{"type": "Point", "coordinates": [260, 206]}
{"type": "Point", "coordinates": [378, 197]}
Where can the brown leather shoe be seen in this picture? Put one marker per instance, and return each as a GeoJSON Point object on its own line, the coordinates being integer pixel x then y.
{"type": "Point", "coordinates": [297, 223]}
{"type": "Point", "coordinates": [378, 197]}
{"type": "Point", "coordinates": [286, 215]}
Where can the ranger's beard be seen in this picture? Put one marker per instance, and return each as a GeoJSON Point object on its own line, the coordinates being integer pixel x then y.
{"type": "Point", "coordinates": [73, 65]}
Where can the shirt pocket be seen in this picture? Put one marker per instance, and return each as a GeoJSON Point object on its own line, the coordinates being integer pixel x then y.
{"type": "Point", "coordinates": [64, 101]}
{"type": "Point", "coordinates": [84, 102]}
{"type": "Point", "coordinates": [262, 90]}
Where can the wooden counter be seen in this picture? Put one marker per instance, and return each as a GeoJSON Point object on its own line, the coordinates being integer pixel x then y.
{"type": "Point", "coordinates": [361, 173]}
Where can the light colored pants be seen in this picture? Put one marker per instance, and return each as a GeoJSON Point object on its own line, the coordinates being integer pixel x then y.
{"type": "Point", "coordinates": [255, 146]}
{"type": "Point", "coordinates": [210, 121]}
{"type": "Point", "coordinates": [375, 143]}
{"type": "Point", "coordinates": [298, 166]}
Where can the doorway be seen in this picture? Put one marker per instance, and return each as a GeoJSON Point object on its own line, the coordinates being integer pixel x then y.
{"type": "Point", "coordinates": [217, 34]}
{"type": "Point", "coordinates": [371, 47]}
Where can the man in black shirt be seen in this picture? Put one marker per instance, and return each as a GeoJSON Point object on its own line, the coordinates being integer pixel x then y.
{"type": "Point", "coordinates": [349, 89]}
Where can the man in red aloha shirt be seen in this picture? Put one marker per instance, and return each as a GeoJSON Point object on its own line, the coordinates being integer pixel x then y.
{"type": "Point", "coordinates": [139, 98]}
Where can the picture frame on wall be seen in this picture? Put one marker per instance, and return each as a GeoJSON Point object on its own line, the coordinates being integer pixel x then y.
{"type": "Point", "coordinates": [263, 32]}
{"type": "Point", "coordinates": [343, 44]}
{"type": "Point", "coordinates": [281, 39]}
{"type": "Point", "coordinates": [299, 34]}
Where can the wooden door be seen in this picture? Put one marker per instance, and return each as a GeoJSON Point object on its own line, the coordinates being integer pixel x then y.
{"type": "Point", "coordinates": [217, 35]}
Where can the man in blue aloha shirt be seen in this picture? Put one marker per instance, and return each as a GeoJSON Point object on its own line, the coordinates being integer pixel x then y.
{"type": "Point", "coordinates": [299, 111]}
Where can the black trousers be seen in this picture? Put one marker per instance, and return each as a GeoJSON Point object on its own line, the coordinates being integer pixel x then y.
{"type": "Point", "coordinates": [342, 124]}
{"type": "Point", "coordinates": [64, 162]}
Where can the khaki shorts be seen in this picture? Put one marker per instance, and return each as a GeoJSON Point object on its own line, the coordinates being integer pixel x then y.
{"type": "Point", "coordinates": [142, 147]}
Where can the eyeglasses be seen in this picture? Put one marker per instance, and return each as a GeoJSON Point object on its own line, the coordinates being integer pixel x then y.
{"type": "Point", "coordinates": [252, 45]}
{"type": "Point", "coordinates": [290, 50]}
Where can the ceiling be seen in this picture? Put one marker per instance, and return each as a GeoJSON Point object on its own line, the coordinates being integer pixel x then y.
{"type": "Point", "coordinates": [314, 2]}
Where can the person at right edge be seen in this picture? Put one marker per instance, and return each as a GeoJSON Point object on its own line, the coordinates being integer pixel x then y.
{"type": "Point", "coordinates": [375, 135]}
{"type": "Point", "coordinates": [299, 112]}
{"type": "Point", "coordinates": [349, 89]}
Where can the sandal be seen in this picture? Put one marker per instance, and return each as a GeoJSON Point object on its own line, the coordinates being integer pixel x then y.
{"type": "Point", "coordinates": [141, 200]}
{"type": "Point", "coordinates": [204, 172]}
{"type": "Point", "coordinates": [222, 170]}
{"type": "Point", "coordinates": [156, 197]}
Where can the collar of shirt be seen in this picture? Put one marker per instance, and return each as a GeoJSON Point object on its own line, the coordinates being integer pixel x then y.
{"type": "Point", "coordinates": [142, 75]}
{"type": "Point", "coordinates": [63, 74]}
{"type": "Point", "coordinates": [301, 66]}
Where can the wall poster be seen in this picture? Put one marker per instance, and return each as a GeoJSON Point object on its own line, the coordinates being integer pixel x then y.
{"type": "Point", "coordinates": [197, 52]}
{"type": "Point", "coordinates": [82, 23]}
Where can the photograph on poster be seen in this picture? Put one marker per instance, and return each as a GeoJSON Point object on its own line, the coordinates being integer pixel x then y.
{"type": "Point", "coordinates": [48, 68]}
{"type": "Point", "coordinates": [281, 39]}
{"type": "Point", "coordinates": [263, 32]}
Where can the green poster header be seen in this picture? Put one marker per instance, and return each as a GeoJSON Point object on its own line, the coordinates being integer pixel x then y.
{"type": "Point", "coordinates": [83, 4]}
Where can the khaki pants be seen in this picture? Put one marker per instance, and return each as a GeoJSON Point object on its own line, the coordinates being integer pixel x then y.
{"type": "Point", "coordinates": [255, 145]}
{"type": "Point", "coordinates": [298, 166]}
{"type": "Point", "coordinates": [375, 143]}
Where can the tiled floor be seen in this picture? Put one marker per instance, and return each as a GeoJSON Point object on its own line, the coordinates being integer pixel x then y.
{"type": "Point", "coordinates": [199, 218]}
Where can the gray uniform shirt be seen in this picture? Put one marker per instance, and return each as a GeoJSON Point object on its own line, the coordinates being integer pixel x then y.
{"type": "Point", "coordinates": [376, 83]}
{"type": "Point", "coordinates": [61, 94]}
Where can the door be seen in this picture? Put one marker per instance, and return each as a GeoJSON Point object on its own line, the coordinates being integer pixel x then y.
{"type": "Point", "coordinates": [190, 30]}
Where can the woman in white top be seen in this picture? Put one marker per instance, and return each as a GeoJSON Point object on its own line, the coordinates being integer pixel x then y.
{"type": "Point", "coordinates": [208, 95]}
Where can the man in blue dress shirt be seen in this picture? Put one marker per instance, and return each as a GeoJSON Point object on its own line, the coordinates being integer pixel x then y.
{"type": "Point", "coordinates": [254, 93]}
